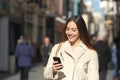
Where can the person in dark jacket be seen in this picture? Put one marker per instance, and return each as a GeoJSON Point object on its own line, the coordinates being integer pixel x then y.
{"type": "Point", "coordinates": [104, 56]}
{"type": "Point", "coordinates": [24, 53]}
{"type": "Point", "coordinates": [45, 50]}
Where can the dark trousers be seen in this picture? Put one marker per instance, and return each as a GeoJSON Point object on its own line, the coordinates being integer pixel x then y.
{"type": "Point", "coordinates": [103, 74]}
{"type": "Point", "coordinates": [24, 72]}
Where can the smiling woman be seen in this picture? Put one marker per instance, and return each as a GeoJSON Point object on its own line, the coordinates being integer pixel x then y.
{"type": "Point", "coordinates": [76, 54]}
{"type": "Point", "coordinates": [78, 23]}
{"type": "Point", "coordinates": [72, 32]}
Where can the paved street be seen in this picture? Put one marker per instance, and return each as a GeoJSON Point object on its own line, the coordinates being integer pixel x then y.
{"type": "Point", "coordinates": [36, 74]}
{"type": "Point", "coordinates": [109, 76]}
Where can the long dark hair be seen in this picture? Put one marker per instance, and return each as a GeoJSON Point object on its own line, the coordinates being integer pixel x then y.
{"type": "Point", "coordinates": [82, 28]}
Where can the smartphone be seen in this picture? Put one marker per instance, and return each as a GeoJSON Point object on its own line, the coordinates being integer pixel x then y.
{"type": "Point", "coordinates": [57, 59]}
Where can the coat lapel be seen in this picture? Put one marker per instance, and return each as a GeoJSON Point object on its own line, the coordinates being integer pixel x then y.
{"type": "Point", "coordinates": [80, 49]}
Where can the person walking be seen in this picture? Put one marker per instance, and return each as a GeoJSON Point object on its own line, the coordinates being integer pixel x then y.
{"type": "Point", "coordinates": [24, 52]}
{"type": "Point", "coordinates": [104, 55]}
{"type": "Point", "coordinates": [114, 59]}
{"type": "Point", "coordinates": [45, 50]}
{"type": "Point", "coordinates": [79, 61]}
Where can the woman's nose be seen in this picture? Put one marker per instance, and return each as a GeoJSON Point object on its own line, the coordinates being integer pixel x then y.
{"type": "Point", "coordinates": [69, 31]}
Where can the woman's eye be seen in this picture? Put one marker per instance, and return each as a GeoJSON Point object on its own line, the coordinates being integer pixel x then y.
{"type": "Point", "coordinates": [74, 30]}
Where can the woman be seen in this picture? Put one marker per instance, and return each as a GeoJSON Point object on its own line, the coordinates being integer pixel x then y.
{"type": "Point", "coordinates": [79, 59]}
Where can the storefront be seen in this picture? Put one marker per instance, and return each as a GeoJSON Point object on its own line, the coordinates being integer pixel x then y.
{"type": "Point", "coordinates": [59, 29]}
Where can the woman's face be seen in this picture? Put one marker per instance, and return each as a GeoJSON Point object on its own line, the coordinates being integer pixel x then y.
{"type": "Point", "coordinates": [72, 32]}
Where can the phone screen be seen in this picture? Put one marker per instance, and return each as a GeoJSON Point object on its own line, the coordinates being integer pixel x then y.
{"type": "Point", "coordinates": [57, 59]}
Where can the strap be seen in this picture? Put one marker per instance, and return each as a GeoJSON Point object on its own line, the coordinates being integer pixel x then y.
{"type": "Point", "coordinates": [58, 48]}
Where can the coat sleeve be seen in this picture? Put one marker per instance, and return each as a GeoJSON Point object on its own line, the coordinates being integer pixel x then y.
{"type": "Point", "coordinates": [48, 72]}
{"type": "Point", "coordinates": [93, 67]}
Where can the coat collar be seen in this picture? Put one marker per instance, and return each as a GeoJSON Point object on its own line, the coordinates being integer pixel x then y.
{"type": "Point", "coordinates": [81, 48]}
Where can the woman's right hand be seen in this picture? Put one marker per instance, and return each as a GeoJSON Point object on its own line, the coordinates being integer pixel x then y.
{"type": "Point", "coordinates": [56, 67]}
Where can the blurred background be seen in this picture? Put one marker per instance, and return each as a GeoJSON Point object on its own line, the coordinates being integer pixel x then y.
{"type": "Point", "coordinates": [40, 18]}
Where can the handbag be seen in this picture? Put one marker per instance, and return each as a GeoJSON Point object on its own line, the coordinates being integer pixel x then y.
{"type": "Point", "coordinates": [57, 50]}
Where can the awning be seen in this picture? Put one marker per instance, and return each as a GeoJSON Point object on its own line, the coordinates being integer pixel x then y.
{"type": "Point", "coordinates": [61, 20]}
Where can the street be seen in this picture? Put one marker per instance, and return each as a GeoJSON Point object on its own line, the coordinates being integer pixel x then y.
{"type": "Point", "coordinates": [36, 74]}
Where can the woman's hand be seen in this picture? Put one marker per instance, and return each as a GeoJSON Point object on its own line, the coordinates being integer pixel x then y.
{"type": "Point", "coordinates": [56, 66]}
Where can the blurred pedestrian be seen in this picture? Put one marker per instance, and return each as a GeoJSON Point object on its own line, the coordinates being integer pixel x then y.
{"type": "Point", "coordinates": [45, 50]}
{"type": "Point", "coordinates": [93, 39]}
{"type": "Point", "coordinates": [114, 59]}
{"type": "Point", "coordinates": [24, 53]}
{"type": "Point", "coordinates": [79, 61]}
{"type": "Point", "coordinates": [104, 55]}
{"type": "Point", "coordinates": [118, 52]}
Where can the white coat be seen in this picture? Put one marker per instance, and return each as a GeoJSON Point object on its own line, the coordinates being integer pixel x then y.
{"type": "Point", "coordinates": [80, 64]}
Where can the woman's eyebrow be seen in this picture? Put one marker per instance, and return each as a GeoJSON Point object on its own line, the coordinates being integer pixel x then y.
{"type": "Point", "coordinates": [73, 28]}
